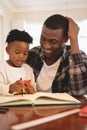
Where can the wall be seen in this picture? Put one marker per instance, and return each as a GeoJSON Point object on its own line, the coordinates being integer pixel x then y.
{"type": "Point", "coordinates": [40, 16]}
{"type": "Point", "coordinates": [5, 26]}
{"type": "Point", "coordinates": [77, 13]}
{"type": "Point", "coordinates": [10, 20]}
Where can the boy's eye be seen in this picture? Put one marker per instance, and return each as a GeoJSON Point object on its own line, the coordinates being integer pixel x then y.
{"type": "Point", "coordinates": [26, 53]}
{"type": "Point", "coordinates": [17, 52]}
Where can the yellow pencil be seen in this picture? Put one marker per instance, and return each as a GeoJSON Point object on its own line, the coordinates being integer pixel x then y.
{"type": "Point", "coordinates": [21, 89]}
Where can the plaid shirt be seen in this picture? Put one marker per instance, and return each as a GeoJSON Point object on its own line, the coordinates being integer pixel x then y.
{"type": "Point", "coordinates": [71, 76]}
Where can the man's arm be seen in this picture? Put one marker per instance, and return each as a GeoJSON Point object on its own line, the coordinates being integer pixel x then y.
{"type": "Point", "coordinates": [73, 36]}
{"type": "Point", "coordinates": [78, 73]}
{"type": "Point", "coordinates": [77, 61]}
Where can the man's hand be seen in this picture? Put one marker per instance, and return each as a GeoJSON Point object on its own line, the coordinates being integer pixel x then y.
{"type": "Point", "coordinates": [73, 35]}
{"type": "Point", "coordinates": [73, 29]}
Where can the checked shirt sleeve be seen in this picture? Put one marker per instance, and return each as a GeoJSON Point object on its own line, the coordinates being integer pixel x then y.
{"type": "Point", "coordinates": [78, 73]}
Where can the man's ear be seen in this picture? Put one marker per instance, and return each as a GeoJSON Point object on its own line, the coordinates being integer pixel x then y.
{"type": "Point", "coordinates": [65, 39]}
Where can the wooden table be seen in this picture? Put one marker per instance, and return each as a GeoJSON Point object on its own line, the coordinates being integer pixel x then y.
{"type": "Point", "coordinates": [17, 115]}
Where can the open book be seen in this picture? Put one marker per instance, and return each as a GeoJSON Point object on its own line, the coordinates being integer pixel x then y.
{"type": "Point", "coordinates": [38, 98]}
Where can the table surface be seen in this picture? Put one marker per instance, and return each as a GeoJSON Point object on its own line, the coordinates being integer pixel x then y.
{"type": "Point", "coordinates": [17, 115]}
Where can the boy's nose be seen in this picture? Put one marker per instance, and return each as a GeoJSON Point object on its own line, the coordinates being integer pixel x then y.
{"type": "Point", "coordinates": [21, 55]}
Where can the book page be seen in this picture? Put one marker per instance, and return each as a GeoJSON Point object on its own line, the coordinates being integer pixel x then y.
{"type": "Point", "coordinates": [57, 96]}
{"type": "Point", "coordinates": [16, 98]}
{"type": "Point", "coordinates": [39, 98]}
{"type": "Point", "coordinates": [50, 101]}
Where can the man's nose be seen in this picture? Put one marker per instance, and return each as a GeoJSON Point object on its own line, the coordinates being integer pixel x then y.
{"type": "Point", "coordinates": [47, 45]}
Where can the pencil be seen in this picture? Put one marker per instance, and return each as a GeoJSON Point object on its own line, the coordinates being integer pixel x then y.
{"type": "Point", "coordinates": [40, 121]}
{"type": "Point", "coordinates": [21, 89]}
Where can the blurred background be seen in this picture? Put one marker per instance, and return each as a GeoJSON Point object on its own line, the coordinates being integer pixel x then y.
{"type": "Point", "coordinates": [29, 15]}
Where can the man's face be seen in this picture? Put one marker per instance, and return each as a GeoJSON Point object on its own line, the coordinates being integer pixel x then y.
{"type": "Point", "coordinates": [52, 41]}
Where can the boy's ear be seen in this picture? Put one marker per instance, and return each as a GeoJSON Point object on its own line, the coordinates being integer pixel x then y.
{"type": "Point", "coordinates": [7, 50]}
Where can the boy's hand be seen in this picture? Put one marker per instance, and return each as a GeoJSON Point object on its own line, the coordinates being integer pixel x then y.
{"type": "Point", "coordinates": [29, 89]}
{"type": "Point", "coordinates": [21, 85]}
{"type": "Point", "coordinates": [16, 87]}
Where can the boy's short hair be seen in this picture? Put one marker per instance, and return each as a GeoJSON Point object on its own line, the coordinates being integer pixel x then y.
{"type": "Point", "coordinates": [17, 35]}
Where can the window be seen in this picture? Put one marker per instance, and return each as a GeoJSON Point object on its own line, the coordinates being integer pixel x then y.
{"type": "Point", "coordinates": [83, 35]}
{"type": "Point", "coordinates": [34, 30]}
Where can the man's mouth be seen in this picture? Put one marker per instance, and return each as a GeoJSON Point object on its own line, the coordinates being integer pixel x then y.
{"type": "Point", "coordinates": [47, 51]}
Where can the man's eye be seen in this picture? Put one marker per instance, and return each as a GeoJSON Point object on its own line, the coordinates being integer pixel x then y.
{"type": "Point", "coordinates": [53, 41]}
{"type": "Point", "coordinates": [43, 39]}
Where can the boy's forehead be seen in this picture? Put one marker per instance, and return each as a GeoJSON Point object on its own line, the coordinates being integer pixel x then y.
{"type": "Point", "coordinates": [16, 42]}
{"type": "Point", "coordinates": [22, 46]}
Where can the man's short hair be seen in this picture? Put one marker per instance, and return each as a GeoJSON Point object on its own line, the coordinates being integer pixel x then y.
{"type": "Point", "coordinates": [57, 21]}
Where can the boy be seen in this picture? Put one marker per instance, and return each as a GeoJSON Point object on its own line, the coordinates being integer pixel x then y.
{"type": "Point", "coordinates": [14, 72]}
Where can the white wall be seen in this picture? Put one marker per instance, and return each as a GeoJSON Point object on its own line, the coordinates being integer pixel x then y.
{"type": "Point", "coordinates": [40, 16]}
{"type": "Point", "coordinates": [35, 17]}
{"type": "Point", "coordinates": [5, 26]}
{"type": "Point", "coordinates": [9, 20]}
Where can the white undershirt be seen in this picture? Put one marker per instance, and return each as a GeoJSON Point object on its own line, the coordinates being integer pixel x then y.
{"type": "Point", "coordinates": [9, 74]}
{"type": "Point", "coordinates": [46, 76]}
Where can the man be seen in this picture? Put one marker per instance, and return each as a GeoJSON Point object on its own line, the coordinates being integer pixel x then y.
{"type": "Point", "coordinates": [59, 67]}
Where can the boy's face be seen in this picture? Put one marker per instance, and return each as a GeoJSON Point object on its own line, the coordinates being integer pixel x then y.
{"type": "Point", "coordinates": [18, 52]}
